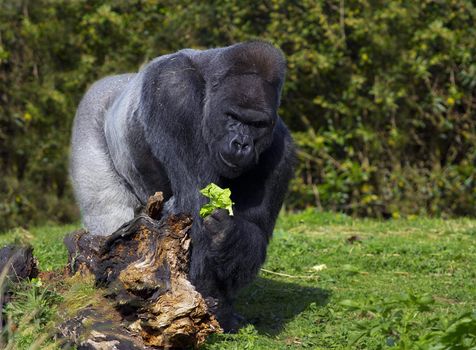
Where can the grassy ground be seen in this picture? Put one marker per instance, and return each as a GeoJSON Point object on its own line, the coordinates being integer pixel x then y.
{"type": "Point", "coordinates": [332, 282]}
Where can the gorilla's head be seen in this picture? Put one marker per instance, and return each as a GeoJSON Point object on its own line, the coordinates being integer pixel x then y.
{"type": "Point", "coordinates": [241, 103]}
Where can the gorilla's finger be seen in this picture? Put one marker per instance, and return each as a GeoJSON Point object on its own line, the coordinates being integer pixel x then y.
{"type": "Point", "coordinates": [220, 214]}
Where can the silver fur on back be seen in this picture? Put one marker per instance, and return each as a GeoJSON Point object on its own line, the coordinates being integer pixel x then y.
{"type": "Point", "coordinates": [104, 199]}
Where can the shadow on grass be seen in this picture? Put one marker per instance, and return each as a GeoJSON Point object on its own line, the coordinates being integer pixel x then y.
{"type": "Point", "coordinates": [269, 304]}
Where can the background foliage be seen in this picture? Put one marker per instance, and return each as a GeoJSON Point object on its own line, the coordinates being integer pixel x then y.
{"type": "Point", "coordinates": [380, 95]}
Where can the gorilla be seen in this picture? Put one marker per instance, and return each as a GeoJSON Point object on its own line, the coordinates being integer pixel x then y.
{"type": "Point", "coordinates": [183, 121]}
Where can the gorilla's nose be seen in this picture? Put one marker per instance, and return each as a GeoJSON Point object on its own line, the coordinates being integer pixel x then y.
{"type": "Point", "coordinates": [241, 145]}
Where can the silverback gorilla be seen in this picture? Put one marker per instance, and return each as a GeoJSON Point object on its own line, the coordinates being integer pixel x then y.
{"type": "Point", "coordinates": [183, 121]}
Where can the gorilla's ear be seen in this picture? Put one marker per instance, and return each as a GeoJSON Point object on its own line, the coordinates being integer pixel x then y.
{"type": "Point", "coordinates": [257, 57]}
{"type": "Point", "coordinates": [171, 86]}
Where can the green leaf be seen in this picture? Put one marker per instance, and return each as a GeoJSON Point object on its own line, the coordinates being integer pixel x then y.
{"type": "Point", "coordinates": [219, 198]}
{"type": "Point", "coordinates": [352, 304]}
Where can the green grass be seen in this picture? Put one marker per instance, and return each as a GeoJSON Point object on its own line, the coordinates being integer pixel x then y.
{"type": "Point", "coordinates": [404, 283]}
{"type": "Point", "coordinates": [47, 242]}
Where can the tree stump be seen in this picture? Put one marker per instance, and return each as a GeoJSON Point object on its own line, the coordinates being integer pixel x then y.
{"type": "Point", "coordinates": [142, 270]}
{"type": "Point", "coordinates": [144, 299]}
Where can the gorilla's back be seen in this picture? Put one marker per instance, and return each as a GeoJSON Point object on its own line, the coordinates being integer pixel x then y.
{"type": "Point", "coordinates": [103, 197]}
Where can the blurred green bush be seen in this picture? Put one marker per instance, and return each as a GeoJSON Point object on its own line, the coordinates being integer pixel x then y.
{"type": "Point", "coordinates": [380, 95]}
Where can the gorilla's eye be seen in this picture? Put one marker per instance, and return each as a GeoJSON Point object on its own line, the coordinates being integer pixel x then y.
{"type": "Point", "coordinates": [248, 120]}
{"type": "Point", "coordinates": [259, 124]}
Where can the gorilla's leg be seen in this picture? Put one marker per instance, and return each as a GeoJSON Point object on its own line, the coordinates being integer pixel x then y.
{"type": "Point", "coordinates": [105, 200]}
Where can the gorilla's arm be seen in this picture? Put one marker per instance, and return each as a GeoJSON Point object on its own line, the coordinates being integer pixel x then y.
{"type": "Point", "coordinates": [238, 243]}
{"type": "Point", "coordinates": [171, 109]}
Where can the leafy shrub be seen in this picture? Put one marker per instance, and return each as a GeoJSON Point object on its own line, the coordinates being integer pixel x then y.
{"type": "Point", "coordinates": [380, 95]}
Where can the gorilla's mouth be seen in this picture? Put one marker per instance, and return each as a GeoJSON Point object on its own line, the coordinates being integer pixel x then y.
{"type": "Point", "coordinates": [227, 163]}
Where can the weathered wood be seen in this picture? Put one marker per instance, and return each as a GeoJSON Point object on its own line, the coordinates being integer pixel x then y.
{"type": "Point", "coordinates": [99, 327]}
{"type": "Point", "coordinates": [142, 269]}
{"type": "Point", "coordinates": [18, 262]}
{"type": "Point", "coordinates": [154, 206]}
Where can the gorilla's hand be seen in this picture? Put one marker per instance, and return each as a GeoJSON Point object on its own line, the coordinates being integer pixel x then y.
{"type": "Point", "coordinates": [220, 226]}
{"type": "Point", "coordinates": [229, 320]}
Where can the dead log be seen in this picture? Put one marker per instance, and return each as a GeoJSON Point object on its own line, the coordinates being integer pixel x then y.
{"type": "Point", "coordinates": [17, 262]}
{"type": "Point", "coordinates": [142, 270]}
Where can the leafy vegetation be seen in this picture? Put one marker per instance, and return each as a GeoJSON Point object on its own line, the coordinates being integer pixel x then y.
{"type": "Point", "coordinates": [219, 199]}
{"type": "Point", "coordinates": [380, 96]}
{"type": "Point", "coordinates": [330, 282]}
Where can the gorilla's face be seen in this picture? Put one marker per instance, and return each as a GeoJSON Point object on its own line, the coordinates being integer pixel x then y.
{"type": "Point", "coordinates": [240, 122]}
